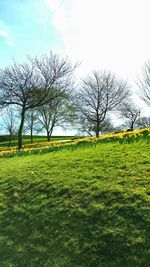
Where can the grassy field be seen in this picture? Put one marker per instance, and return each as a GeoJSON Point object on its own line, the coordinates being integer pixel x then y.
{"type": "Point", "coordinates": [4, 140]}
{"type": "Point", "coordinates": [86, 206]}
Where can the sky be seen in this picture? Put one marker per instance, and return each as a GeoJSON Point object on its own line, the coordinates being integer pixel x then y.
{"type": "Point", "coordinates": [100, 34]}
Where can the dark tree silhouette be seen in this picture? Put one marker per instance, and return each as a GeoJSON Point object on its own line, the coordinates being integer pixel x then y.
{"type": "Point", "coordinates": [129, 112]}
{"type": "Point", "coordinates": [35, 84]}
{"type": "Point", "coordinates": [144, 84]}
{"type": "Point", "coordinates": [101, 93]}
{"type": "Point", "coordinates": [9, 123]}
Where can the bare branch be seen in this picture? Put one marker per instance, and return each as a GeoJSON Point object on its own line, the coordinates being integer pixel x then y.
{"type": "Point", "coordinates": [144, 84]}
{"type": "Point", "coordinates": [100, 93]}
{"type": "Point", "coordinates": [36, 83]}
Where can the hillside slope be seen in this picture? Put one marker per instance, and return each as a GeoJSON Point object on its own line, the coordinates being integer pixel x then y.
{"type": "Point", "coordinates": [82, 207]}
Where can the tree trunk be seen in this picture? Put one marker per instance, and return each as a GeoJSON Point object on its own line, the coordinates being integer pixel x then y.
{"type": "Point", "coordinates": [132, 125]}
{"type": "Point", "coordinates": [31, 134]}
{"type": "Point", "coordinates": [21, 129]}
{"type": "Point", "coordinates": [97, 133]}
{"type": "Point", "coordinates": [48, 136]}
{"type": "Point", "coordinates": [10, 138]}
{"type": "Point", "coordinates": [49, 133]}
{"type": "Point", "coordinates": [97, 129]}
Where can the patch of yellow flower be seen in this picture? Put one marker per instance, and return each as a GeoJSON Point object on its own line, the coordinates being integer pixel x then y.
{"type": "Point", "coordinates": [126, 134]}
{"type": "Point", "coordinates": [46, 145]}
{"type": "Point", "coordinates": [35, 147]}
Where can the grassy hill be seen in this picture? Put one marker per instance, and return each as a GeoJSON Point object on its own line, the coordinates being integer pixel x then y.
{"type": "Point", "coordinates": [83, 206]}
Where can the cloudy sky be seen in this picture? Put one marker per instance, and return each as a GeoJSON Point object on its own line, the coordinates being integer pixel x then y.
{"type": "Point", "coordinates": [101, 34]}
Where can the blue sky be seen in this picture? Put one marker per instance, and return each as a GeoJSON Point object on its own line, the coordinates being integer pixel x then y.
{"type": "Point", "coordinates": [26, 29]}
{"type": "Point", "coordinates": [101, 34]}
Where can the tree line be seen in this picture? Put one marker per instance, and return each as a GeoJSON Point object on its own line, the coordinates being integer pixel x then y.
{"type": "Point", "coordinates": [41, 94]}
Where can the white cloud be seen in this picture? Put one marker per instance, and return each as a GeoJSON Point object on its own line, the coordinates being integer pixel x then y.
{"type": "Point", "coordinates": [5, 34]}
{"type": "Point", "coordinates": [52, 4]}
{"type": "Point", "coordinates": [105, 34]}
{"type": "Point", "coordinates": [109, 34]}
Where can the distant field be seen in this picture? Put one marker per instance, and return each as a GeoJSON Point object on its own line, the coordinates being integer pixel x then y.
{"type": "Point", "coordinates": [85, 206]}
{"type": "Point", "coordinates": [4, 140]}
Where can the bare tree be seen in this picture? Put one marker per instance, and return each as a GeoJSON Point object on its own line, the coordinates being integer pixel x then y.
{"type": "Point", "coordinates": [34, 84]}
{"type": "Point", "coordinates": [53, 114]}
{"type": "Point", "coordinates": [88, 127]}
{"type": "Point", "coordinates": [107, 126]}
{"type": "Point", "coordinates": [129, 112]}
{"type": "Point", "coordinates": [143, 122]}
{"type": "Point", "coordinates": [31, 122]}
{"type": "Point", "coordinates": [9, 123]}
{"type": "Point", "coordinates": [54, 72]}
{"type": "Point", "coordinates": [144, 84]}
{"type": "Point", "coordinates": [84, 126]}
{"type": "Point", "coordinates": [101, 93]}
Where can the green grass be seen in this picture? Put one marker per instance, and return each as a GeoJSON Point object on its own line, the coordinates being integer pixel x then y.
{"type": "Point", "coordinates": [87, 207]}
